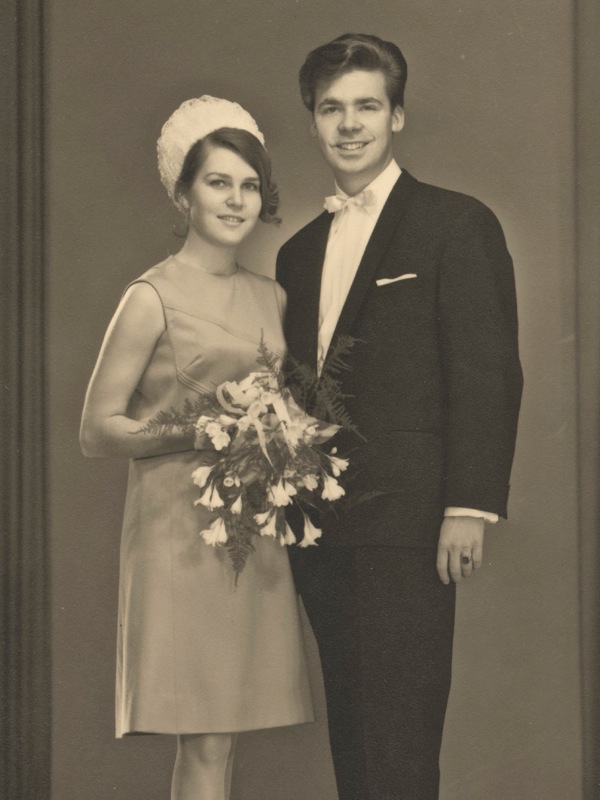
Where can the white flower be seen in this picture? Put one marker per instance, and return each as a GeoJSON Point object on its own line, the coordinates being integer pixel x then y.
{"type": "Point", "coordinates": [290, 488]}
{"type": "Point", "coordinates": [267, 398]}
{"type": "Point", "coordinates": [311, 532]}
{"type": "Point", "coordinates": [288, 537]}
{"type": "Point", "coordinates": [267, 522]}
{"type": "Point", "coordinates": [216, 534]}
{"type": "Point", "coordinates": [211, 498]}
{"type": "Point", "coordinates": [199, 432]}
{"type": "Point", "coordinates": [256, 408]}
{"type": "Point", "coordinates": [216, 500]}
{"type": "Point", "coordinates": [200, 475]}
{"type": "Point", "coordinates": [233, 396]}
{"type": "Point", "coordinates": [244, 423]}
{"type": "Point", "coordinates": [263, 516]}
{"type": "Point", "coordinates": [338, 465]}
{"type": "Point", "coordinates": [236, 507]}
{"type": "Point", "coordinates": [310, 481]}
{"type": "Point", "coordinates": [331, 488]}
{"type": "Point", "coordinates": [281, 493]}
{"type": "Point", "coordinates": [218, 436]}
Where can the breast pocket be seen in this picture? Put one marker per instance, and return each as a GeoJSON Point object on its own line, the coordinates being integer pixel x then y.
{"type": "Point", "coordinates": [407, 276]}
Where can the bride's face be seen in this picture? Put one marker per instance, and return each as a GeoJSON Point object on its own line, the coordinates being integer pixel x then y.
{"type": "Point", "coordinates": [224, 201]}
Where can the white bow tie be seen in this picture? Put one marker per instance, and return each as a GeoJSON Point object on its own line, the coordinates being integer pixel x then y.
{"type": "Point", "coordinates": [337, 202]}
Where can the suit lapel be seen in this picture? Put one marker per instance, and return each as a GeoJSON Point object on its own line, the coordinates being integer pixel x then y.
{"type": "Point", "coordinates": [388, 221]}
{"type": "Point", "coordinates": [303, 334]}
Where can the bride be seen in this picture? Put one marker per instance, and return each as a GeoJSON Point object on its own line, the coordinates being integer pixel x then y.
{"type": "Point", "coordinates": [197, 657]}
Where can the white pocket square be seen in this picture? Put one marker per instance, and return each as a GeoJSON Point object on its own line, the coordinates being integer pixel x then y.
{"type": "Point", "coordinates": [406, 276]}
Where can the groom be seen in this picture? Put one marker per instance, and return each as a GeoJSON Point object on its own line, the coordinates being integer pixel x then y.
{"type": "Point", "coordinates": [422, 279]}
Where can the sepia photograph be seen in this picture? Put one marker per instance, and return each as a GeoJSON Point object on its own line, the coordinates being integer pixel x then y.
{"type": "Point", "coordinates": [300, 412]}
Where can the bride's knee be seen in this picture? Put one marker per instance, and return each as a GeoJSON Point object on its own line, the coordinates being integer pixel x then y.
{"type": "Point", "coordinates": [207, 748]}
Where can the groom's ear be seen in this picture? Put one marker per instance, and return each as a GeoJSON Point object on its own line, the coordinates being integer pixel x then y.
{"type": "Point", "coordinates": [313, 127]}
{"type": "Point", "coordinates": [397, 119]}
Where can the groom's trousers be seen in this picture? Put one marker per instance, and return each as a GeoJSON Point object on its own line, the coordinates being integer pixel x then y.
{"type": "Point", "coordinates": [384, 624]}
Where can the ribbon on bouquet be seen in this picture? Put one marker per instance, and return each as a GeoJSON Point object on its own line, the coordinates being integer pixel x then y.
{"type": "Point", "coordinates": [240, 404]}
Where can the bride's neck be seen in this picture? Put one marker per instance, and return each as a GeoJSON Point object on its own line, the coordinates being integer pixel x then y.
{"type": "Point", "coordinates": [208, 257]}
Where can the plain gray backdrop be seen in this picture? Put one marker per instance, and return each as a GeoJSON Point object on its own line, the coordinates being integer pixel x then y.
{"type": "Point", "coordinates": [489, 112]}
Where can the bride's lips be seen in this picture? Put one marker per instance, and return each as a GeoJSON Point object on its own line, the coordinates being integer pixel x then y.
{"type": "Point", "coordinates": [231, 219]}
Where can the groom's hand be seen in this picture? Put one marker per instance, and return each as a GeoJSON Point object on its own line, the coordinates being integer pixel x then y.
{"type": "Point", "coordinates": [461, 538]}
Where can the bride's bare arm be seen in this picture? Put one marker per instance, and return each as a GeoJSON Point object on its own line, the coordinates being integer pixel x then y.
{"type": "Point", "coordinates": [128, 345]}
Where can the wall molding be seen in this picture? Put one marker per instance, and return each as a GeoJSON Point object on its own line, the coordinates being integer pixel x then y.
{"type": "Point", "coordinates": [587, 239]}
{"type": "Point", "coordinates": [25, 652]}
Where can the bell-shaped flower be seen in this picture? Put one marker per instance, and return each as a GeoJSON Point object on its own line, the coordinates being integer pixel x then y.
{"type": "Point", "coordinates": [256, 409]}
{"type": "Point", "coordinates": [244, 423]}
{"type": "Point", "coordinates": [311, 532]}
{"type": "Point", "coordinates": [320, 432]}
{"type": "Point", "coordinates": [216, 500]}
{"type": "Point", "coordinates": [287, 537]}
{"type": "Point", "coordinates": [216, 534]}
{"type": "Point", "coordinates": [218, 436]}
{"type": "Point", "coordinates": [211, 498]}
{"type": "Point", "coordinates": [200, 475]}
{"type": "Point", "coordinates": [236, 506]}
{"type": "Point", "coordinates": [331, 488]}
{"type": "Point", "coordinates": [281, 493]}
{"type": "Point", "coordinates": [202, 422]}
{"type": "Point", "coordinates": [338, 465]}
{"type": "Point", "coordinates": [267, 522]}
{"type": "Point", "coordinates": [290, 488]}
{"type": "Point", "coordinates": [310, 481]}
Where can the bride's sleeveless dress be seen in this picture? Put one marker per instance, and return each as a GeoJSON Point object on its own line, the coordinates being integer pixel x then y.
{"type": "Point", "coordinates": [197, 654]}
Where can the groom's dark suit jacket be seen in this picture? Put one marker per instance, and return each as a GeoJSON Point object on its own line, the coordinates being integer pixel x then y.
{"type": "Point", "coordinates": [435, 381]}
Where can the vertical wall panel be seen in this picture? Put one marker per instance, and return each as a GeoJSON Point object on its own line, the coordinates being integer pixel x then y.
{"type": "Point", "coordinates": [588, 289]}
{"type": "Point", "coordinates": [24, 622]}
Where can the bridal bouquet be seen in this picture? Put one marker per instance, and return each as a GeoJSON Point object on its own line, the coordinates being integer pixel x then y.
{"type": "Point", "coordinates": [269, 455]}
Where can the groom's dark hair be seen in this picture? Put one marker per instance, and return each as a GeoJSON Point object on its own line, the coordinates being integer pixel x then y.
{"type": "Point", "coordinates": [347, 53]}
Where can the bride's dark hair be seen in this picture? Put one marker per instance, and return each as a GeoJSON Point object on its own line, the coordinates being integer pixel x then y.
{"type": "Point", "coordinates": [249, 149]}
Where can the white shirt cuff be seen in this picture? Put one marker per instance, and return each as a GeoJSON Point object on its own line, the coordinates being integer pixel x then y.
{"type": "Point", "coordinates": [454, 511]}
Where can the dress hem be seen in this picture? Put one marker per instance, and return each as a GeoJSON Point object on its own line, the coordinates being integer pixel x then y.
{"type": "Point", "coordinates": [264, 727]}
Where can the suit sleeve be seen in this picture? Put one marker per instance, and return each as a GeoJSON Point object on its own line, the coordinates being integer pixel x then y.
{"type": "Point", "coordinates": [478, 333]}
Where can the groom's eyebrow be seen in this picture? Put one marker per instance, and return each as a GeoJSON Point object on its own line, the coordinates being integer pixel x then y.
{"type": "Point", "coordinates": [362, 100]}
{"type": "Point", "coordinates": [359, 101]}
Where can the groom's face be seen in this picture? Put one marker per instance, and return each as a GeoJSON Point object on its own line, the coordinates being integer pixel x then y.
{"type": "Point", "coordinates": [354, 123]}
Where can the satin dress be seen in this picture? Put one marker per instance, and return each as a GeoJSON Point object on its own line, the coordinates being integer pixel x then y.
{"type": "Point", "coordinates": [196, 653]}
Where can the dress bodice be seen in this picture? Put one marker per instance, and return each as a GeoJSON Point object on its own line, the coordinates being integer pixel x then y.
{"type": "Point", "coordinates": [214, 324]}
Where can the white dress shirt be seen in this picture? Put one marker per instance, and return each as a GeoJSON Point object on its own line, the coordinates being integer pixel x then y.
{"type": "Point", "coordinates": [349, 234]}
